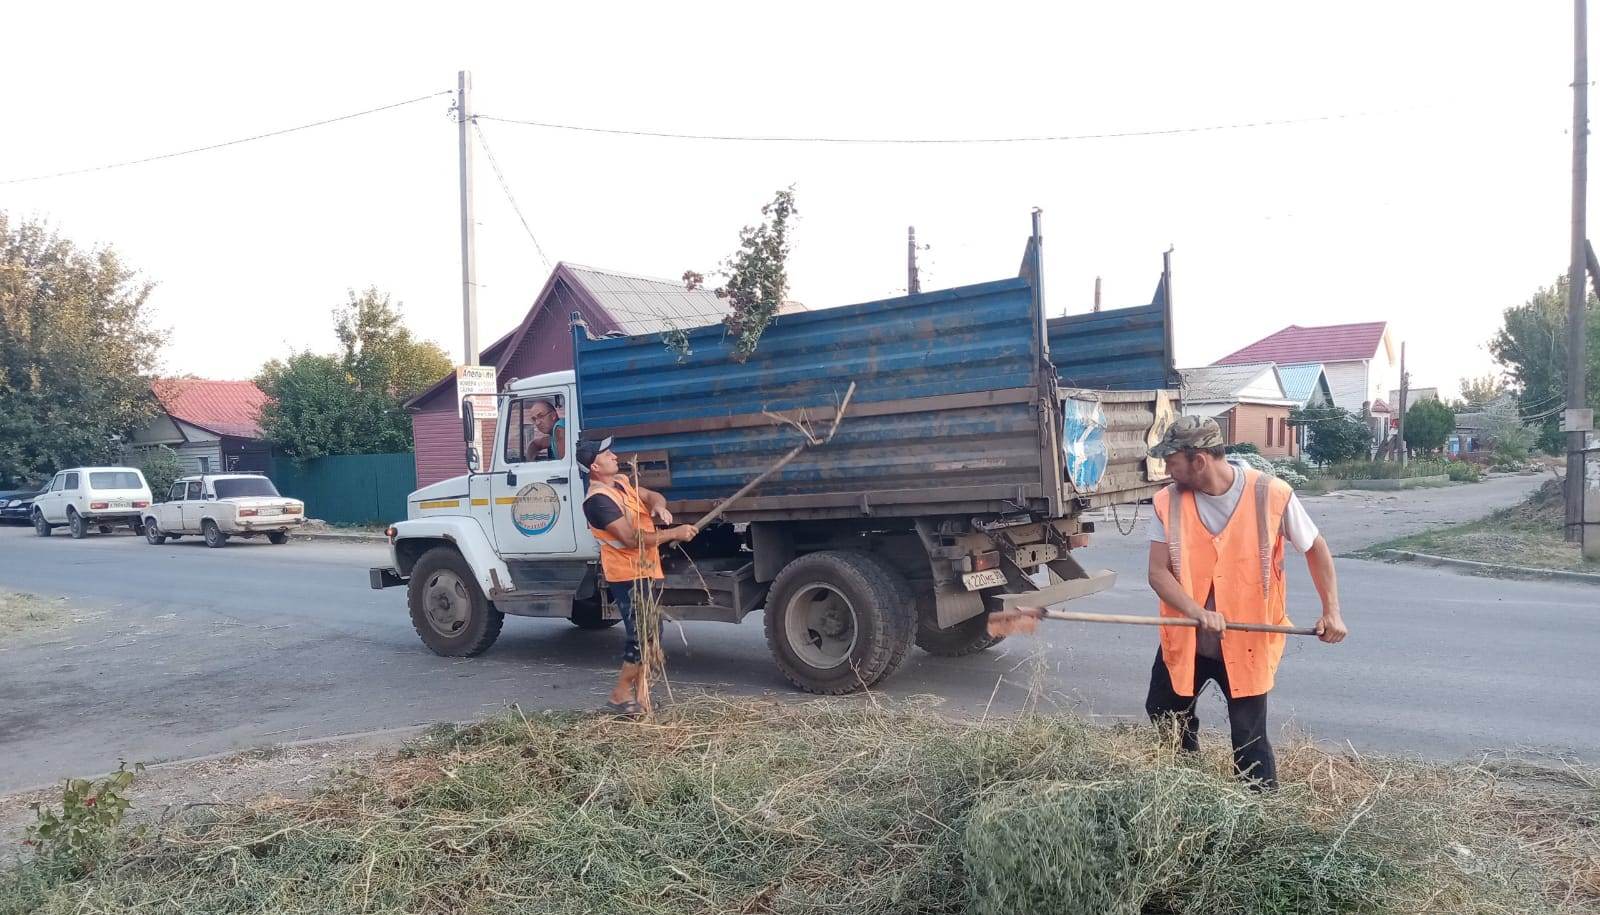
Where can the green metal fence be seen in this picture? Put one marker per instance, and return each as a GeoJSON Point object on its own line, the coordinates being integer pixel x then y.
{"type": "Point", "coordinates": [349, 488]}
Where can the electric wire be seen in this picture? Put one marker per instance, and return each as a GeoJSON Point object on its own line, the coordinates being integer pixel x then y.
{"type": "Point", "coordinates": [494, 165]}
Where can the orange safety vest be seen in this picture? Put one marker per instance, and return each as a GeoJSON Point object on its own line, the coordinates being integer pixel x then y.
{"type": "Point", "coordinates": [1243, 567]}
{"type": "Point", "coordinates": [622, 563]}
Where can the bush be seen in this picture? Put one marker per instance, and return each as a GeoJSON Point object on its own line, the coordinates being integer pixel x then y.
{"type": "Point", "coordinates": [1463, 472]}
{"type": "Point", "coordinates": [161, 469]}
{"type": "Point", "coordinates": [1241, 448]}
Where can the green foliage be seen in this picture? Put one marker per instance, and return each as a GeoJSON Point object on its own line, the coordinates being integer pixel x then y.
{"type": "Point", "coordinates": [1513, 445]}
{"type": "Point", "coordinates": [161, 469]}
{"type": "Point", "coordinates": [76, 351]}
{"type": "Point", "coordinates": [1241, 448]}
{"type": "Point", "coordinates": [1463, 472]}
{"type": "Point", "coordinates": [1428, 425]}
{"type": "Point", "coordinates": [353, 401]}
{"type": "Point", "coordinates": [755, 279]}
{"type": "Point", "coordinates": [1532, 345]}
{"type": "Point", "coordinates": [1477, 393]}
{"type": "Point", "coordinates": [81, 833]}
{"type": "Point", "coordinates": [1336, 434]}
{"type": "Point", "coordinates": [1388, 470]}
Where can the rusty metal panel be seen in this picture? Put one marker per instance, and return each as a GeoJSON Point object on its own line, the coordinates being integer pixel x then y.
{"type": "Point", "coordinates": [1117, 350]}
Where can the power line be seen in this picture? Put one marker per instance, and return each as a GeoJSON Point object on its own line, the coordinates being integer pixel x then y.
{"type": "Point", "coordinates": [250, 139]}
{"type": "Point", "coordinates": [945, 141]}
{"type": "Point", "coordinates": [494, 165]}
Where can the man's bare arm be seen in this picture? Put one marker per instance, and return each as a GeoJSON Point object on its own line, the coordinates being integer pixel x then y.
{"type": "Point", "coordinates": [1170, 590]}
{"type": "Point", "coordinates": [1319, 561]}
{"type": "Point", "coordinates": [624, 532]}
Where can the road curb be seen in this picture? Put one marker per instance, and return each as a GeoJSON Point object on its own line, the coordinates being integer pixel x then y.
{"type": "Point", "coordinates": [1489, 567]}
{"type": "Point", "coordinates": [339, 537]}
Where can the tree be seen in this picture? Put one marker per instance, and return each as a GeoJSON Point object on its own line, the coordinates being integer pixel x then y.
{"type": "Point", "coordinates": [353, 401]}
{"type": "Point", "coordinates": [1477, 393]}
{"type": "Point", "coordinates": [77, 350]}
{"type": "Point", "coordinates": [1532, 345]}
{"type": "Point", "coordinates": [1335, 434]}
{"type": "Point", "coordinates": [756, 279]}
{"type": "Point", "coordinates": [1428, 424]}
{"type": "Point", "coordinates": [161, 469]}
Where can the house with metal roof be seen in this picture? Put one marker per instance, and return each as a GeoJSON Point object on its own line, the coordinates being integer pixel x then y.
{"type": "Point", "coordinates": [1306, 384]}
{"type": "Point", "coordinates": [608, 301]}
{"type": "Point", "coordinates": [1248, 401]}
{"type": "Point", "coordinates": [1359, 360]}
{"type": "Point", "coordinates": [214, 426]}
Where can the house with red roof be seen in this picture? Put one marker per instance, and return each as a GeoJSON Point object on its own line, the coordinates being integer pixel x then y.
{"type": "Point", "coordinates": [214, 426]}
{"type": "Point", "coordinates": [1360, 361]}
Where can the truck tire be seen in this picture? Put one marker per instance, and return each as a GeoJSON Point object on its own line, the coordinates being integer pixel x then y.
{"type": "Point", "coordinates": [964, 638]}
{"type": "Point", "coordinates": [838, 621]}
{"type": "Point", "coordinates": [40, 526]}
{"type": "Point", "coordinates": [586, 615]}
{"type": "Point", "coordinates": [152, 533]}
{"type": "Point", "coordinates": [448, 609]}
{"type": "Point", "coordinates": [76, 525]}
{"type": "Point", "coordinates": [214, 536]}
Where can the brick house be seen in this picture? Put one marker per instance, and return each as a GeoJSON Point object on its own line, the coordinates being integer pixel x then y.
{"type": "Point", "coordinates": [608, 301]}
{"type": "Point", "coordinates": [1360, 361]}
{"type": "Point", "coordinates": [1247, 401]}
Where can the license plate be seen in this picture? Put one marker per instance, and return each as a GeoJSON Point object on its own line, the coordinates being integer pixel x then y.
{"type": "Point", "coordinates": [989, 578]}
{"type": "Point", "coordinates": [270, 511]}
{"type": "Point", "coordinates": [121, 503]}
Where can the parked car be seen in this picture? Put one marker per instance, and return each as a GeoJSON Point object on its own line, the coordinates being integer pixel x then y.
{"type": "Point", "coordinates": [219, 506]}
{"type": "Point", "coordinates": [16, 506]}
{"type": "Point", "coordinates": [92, 497]}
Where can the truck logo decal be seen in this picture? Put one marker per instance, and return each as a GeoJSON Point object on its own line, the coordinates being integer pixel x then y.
{"type": "Point", "coordinates": [535, 509]}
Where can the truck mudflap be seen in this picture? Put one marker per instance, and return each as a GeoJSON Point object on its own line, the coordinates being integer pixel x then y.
{"type": "Point", "coordinates": [1060, 592]}
{"type": "Point", "coordinates": [384, 578]}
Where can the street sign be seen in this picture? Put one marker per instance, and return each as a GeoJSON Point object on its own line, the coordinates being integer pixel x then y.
{"type": "Point", "coordinates": [477, 384]}
{"type": "Point", "coordinates": [1577, 420]}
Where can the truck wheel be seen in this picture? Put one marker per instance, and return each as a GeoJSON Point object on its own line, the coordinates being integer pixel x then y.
{"type": "Point", "coordinates": [76, 526]}
{"type": "Point", "coordinates": [586, 615]}
{"type": "Point", "coordinates": [40, 526]}
{"type": "Point", "coordinates": [448, 609]}
{"type": "Point", "coordinates": [964, 638]}
{"type": "Point", "coordinates": [838, 621]}
{"type": "Point", "coordinates": [278, 538]}
{"type": "Point", "coordinates": [152, 534]}
{"type": "Point", "coordinates": [215, 538]}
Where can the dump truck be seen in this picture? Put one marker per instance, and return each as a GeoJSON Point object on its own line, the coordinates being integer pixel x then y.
{"type": "Point", "coordinates": [977, 436]}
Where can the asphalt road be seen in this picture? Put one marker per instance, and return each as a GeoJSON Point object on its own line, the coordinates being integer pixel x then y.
{"type": "Point", "coordinates": [185, 651]}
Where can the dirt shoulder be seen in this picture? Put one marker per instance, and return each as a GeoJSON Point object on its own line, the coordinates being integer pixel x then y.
{"type": "Point", "coordinates": [26, 615]}
{"type": "Point", "coordinates": [1528, 535]}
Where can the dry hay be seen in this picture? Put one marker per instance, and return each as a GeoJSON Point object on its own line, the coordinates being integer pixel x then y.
{"type": "Point", "coordinates": [833, 807]}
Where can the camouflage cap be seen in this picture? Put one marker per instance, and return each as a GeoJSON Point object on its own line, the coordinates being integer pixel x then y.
{"type": "Point", "coordinates": [1189, 433]}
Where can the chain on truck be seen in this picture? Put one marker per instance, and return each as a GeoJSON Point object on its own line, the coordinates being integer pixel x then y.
{"type": "Point", "coordinates": [979, 435]}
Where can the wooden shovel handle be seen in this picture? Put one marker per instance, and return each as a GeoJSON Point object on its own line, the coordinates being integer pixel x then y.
{"type": "Point", "coordinates": [1076, 617]}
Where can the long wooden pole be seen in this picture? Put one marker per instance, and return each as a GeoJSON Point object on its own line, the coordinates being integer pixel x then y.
{"type": "Point", "coordinates": [1128, 620]}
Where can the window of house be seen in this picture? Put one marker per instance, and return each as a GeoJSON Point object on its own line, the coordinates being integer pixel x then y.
{"type": "Point", "coordinates": [537, 429]}
{"type": "Point", "coordinates": [1269, 432]}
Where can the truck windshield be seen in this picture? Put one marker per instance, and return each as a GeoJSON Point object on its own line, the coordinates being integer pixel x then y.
{"type": "Point", "coordinates": [244, 488]}
{"type": "Point", "coordinates": [115, 479]}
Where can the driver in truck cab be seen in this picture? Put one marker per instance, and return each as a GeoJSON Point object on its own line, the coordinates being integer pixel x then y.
{"type": "Point", "coordinates": [623, 518]}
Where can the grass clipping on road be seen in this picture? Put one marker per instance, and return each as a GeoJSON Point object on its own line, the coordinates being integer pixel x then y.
{"type": "Point", "coordinates": [21, 614]}
{"type": "Point", "coordinates": [1528, 534]}
{"type": "Point", "coordinates": [834, 807]}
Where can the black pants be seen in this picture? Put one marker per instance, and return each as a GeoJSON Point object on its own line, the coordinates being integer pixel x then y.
{"type": "Point", "coordinates": [1247, 717]}
{"type": "Point", "coordinates": [622, 596]}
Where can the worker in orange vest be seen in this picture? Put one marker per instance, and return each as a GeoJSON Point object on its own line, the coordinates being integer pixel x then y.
{"type": "Point", "coordinates": [623, 519]}
{"type": "Point", "coordinates": [1216, 556]}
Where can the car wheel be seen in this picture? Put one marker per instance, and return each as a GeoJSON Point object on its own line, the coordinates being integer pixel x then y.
{"type": "Point", "coordinates": [279, 538]}
{"type": "Point", "coordinates": [76, 525]}
{"type": "Point", "coordinates": [215, 538]}
{"type": "Point", "coordinates": [137, 527]}
{"type": "Point", "coordinates": [103, 528]}
{"type": "Point", "coordinates": [152, 534]}
{"type": "Point", "coordinates": [40, 526]}
{"type": "Point", "coordinates": [448, 609]}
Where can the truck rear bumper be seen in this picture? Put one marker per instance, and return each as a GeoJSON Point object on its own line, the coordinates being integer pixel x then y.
{"type": "Point", "coordinates": [384, 578]}
{"type": "Point", "coordinates": [1060, 592]}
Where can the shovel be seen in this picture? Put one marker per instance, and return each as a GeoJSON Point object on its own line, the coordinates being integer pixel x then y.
{"type": "Point", "coordinates": [1025, 621]}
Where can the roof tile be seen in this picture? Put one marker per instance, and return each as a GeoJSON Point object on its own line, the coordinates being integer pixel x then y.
{"type": "Point", "coordinates": [1294, 344]}
{"type": "Point", "coordinates": [224, 407]}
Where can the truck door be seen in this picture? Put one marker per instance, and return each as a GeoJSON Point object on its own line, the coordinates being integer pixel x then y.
{"type": "Point", "coordinates": [535, 493]}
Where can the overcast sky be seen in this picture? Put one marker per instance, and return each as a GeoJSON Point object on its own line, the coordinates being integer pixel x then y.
{"type": "Point", "coordinates": [1435, 196]}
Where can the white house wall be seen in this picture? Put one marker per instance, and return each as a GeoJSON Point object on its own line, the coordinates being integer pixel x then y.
{"type": "Point", "coordinates": [1348, 382]}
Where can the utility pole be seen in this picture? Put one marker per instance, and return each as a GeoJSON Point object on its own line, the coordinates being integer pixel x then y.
{"type": "Point", "coordinates": [1405, 392]}
{"type": "Point", "coordinates": [1097, 293]}
{"type": "Point", "coordinates": [469, 248]}
{"type": "Point", "coordinates": [1577, 421]}
{"type": "Point", "coordinates": [913, 282]}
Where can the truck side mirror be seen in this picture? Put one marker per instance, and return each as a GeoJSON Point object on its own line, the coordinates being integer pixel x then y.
{"type": "Point", "coordinates": [468, 421]}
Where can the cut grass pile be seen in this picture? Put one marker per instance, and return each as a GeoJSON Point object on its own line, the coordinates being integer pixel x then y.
{"type": "Point", "coordinates": [21, 614]}
{"type": "Point", "coordinates": [1528, 534]}
{"type": "Point", "coordinates": [833, 807]}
